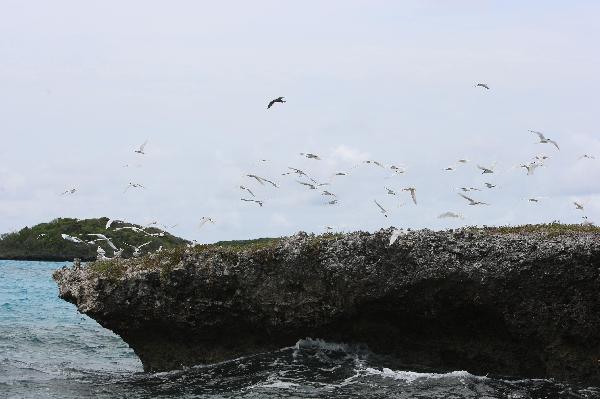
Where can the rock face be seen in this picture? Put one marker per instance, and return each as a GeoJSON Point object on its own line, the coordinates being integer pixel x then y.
{"type": "Point", "coordinates": [510, 304]}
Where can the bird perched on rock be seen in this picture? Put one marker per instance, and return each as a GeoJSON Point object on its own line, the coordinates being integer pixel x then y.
{"type": "Point", "coordinates": [276, 100]}
{"type": "Point", "coordinates": [395, 234]}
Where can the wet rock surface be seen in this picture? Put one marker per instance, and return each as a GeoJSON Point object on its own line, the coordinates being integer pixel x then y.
{"type": "Point", "coordinates": [514, 304]}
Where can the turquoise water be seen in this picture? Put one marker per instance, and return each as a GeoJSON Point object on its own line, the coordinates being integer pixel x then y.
{"type": "Point", "coordinates": [49, 350]}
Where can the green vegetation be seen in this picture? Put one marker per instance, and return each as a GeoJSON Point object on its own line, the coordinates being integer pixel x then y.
{"type": "Point", "coordinates": [551, 229]}
{"type": "Point", "coordinates": [261, 250]}
{"type": "Point", "coordinates": [44, 241]}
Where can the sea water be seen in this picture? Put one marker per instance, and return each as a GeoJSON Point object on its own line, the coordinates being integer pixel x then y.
{"type": "Point", "coordinates": [49, 350]}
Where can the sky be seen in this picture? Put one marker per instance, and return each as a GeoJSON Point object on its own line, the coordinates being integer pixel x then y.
{"type": "Point", "coordinates": [84, 84]}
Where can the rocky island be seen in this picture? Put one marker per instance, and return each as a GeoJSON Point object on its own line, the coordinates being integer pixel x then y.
{"type": "Point", "coordinates": [44, 241]}
{"type": "Point", "coordinates": [518, 301]}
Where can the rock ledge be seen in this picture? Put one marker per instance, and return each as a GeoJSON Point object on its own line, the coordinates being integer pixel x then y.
{"type": "Point", "coordinates": [519, 304]}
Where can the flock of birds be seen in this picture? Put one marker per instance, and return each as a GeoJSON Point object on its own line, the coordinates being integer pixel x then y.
{"type": "Point", "coordinates": [303, 178]}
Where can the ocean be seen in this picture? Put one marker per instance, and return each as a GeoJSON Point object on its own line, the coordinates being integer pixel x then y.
{"type": "Point", "coordinates": [49, 350]}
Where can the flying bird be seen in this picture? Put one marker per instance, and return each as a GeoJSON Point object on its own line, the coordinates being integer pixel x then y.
{"type": "Point", "coordinates": [141, 149]}
{"type": "Point", "coordinates": [413, 193]}
{"type": "Point", "coordinates": [333, 202]}
{"type": "Point", "coordinates": [72, 239]}
{"type": "Point", "coordinates": [247, 189]}
{"type": "Point", "coordinates": [531, 167]}
{"type": "Point", "coordinates": [136, 249]}
{"type": "Point", "coordinates": [490, 185]}
{"type": "Point", "coordinates": [397, 169]}
{"type": "Point", "coordinates": [472, 201]}
{"type": "Point", "coordinates": [484, 85]}
{"type": "Point", "coordinates": [111, 221]}
{"type": "Point", "coordinates": [486, 170]}
{"type": "Point", "coordinates": [587, 156]}
{"type": "Point", "coordinates": [133, 185]}
{"type": "Point", "coordinates": [299, 172]}
{"type": "Point", "coordinates": [69, 191]}
{"type": "Point", "coordinates": [276, 100]}
{"type": "Point", "coordinates": [376, 163]}
{"type": "Point", "coordinates": [102, 237]}
{"type": "Point", "coordinates": [390, 191]}
{"type": "Point", "coordinates": [260, 203]}
{"type": "Point", "coordinates": [578, 206]}
{"type": "Point", "coordinates": [132, 228]}
{"type": "Point", "coordinates": [381, 209]}
{"type": "Point", "coordinates": [449, 214]}
{"type": "Point", "coordinates": [262, 180]}
{"type": "Point", "coordinates": [310, 186]}
{"type": "Point", "coordinates": [204, 220]}
{"type": "Point", "coordinates": [544, 140]}
{"type": "Point", "coordinates": [325, 192]}
{"type": "Point", "coordinates": [310, 156]}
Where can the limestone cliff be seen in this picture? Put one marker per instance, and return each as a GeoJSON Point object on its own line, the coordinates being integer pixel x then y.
{"type": "Point", "coordinates": [509, 302]}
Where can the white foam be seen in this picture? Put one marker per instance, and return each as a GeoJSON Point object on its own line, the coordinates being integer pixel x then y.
{"type": "Point", "coordinates": [279, 385]}
{"type": "Point", "coordinates": [318, 343]}
{"type": "Point", "coordinates": [411, 376]}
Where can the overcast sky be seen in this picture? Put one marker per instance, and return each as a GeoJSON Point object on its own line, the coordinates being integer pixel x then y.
{"type": "Point", "coordinates": [83, 84]}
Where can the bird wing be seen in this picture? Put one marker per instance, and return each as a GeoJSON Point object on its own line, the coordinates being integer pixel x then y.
{"type": "Point", "coordinates": [258, 179]}
{"type": "Point", "coordinates": [555, 144]}
{"type": "Point", "coordinates": [380, 207]}
{"type": "Point", "coordinates": [143, 145]}
{"type": "Point", "coordinates": [394, 236]}
{"type": "Point", "coordinates": [270, 104]}
{"type": "Point", "coordinates": [413, 194]}
{"type": "Point", "coordinates": [482, 168]}
{"type": "Point", "coordinates": [465, 197]}
{"type": "Point", "coordinates": [539, 134]}
{"type": "Point", "coordinates": [271, 183]}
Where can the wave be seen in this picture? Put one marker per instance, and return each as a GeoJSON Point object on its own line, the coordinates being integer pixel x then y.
{"type": "Point", "coordinates": [411, 376]}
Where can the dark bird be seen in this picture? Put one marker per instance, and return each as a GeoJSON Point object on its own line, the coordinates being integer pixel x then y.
{"type": "Point", "coordinates": [485, 86]}
{"type": "Point", "coordinates": [277, 100]}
